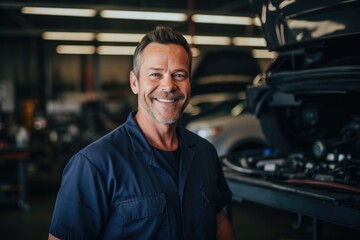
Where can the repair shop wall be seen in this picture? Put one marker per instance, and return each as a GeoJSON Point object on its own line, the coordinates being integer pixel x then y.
{"type": "Point", "coordinates": [70, 72]}
{"type": "Point", "coordinates": [37, 71]}
{"type": "Point", "coordinates": [21, 67]}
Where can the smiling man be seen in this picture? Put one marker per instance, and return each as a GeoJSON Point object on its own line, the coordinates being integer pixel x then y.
{"type": "Point", "coordinates": [149, 178]}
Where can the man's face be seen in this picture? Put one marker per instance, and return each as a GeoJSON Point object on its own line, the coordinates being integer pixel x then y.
{"type": "Point", "coordinates": [163, 86]}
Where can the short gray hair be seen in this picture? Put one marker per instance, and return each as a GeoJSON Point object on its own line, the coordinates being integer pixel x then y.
{"type": "Point", "coordinates": [163, 35]}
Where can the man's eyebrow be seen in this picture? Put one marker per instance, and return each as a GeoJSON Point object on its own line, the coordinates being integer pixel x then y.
{"type": "Point", "coordinates": [155, 69]}
{"type": "Point", "coordinates": [181, 70]}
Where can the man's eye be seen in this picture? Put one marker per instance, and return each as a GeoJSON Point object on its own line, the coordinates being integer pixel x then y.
{"type": "Point", "coordinates": [179, 76]}
{"type": "Point", "coordinates": [155, 75]}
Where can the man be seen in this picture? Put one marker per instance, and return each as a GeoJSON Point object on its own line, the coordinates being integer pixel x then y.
{"type": "Point", "coordinates": [149, 178]}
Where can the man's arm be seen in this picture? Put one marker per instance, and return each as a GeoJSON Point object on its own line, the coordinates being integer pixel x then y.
{"type": "Point", "coordinates": [224, 228]}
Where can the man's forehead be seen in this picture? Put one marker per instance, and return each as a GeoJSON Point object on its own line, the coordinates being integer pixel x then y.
{"type": "Point", "coordinates": [154, 47]}
{"type": "Point", "coordinates": [158, 55]}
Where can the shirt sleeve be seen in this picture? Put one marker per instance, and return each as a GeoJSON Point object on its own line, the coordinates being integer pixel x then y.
{"type": "Point", "coordinates": [226, 193]}
{"type": "Point", "coordinates": [81, 205]}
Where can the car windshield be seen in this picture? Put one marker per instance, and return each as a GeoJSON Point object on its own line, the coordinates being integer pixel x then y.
{"type": "Point", "coordinates": [232, 107]}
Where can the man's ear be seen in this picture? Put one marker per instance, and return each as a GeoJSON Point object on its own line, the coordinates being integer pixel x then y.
{"type": "Point", "coordinates": [134, 84]}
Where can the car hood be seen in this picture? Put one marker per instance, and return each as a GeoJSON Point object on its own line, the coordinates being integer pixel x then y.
{"type": "Point", "coordinates": [291, 24]}
{"type": "Point", "coordinates": [309, 90]}
{"type": "Point", "coordinates": [244, 121]}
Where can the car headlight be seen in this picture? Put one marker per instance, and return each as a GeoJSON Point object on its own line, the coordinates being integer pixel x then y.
{"type": "Point", "coordinates": [208, 132]}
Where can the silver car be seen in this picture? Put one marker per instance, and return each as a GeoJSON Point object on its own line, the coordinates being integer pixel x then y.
{"type": "Point", "coordinates": [222, 119]}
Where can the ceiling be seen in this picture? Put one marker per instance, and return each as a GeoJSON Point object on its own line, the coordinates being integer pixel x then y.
{"type": "Point", "coordinates": [16, 24]}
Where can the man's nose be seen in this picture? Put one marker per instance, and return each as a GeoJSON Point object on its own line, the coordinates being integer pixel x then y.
{"type": "Point", "coordinates": [168, 83]}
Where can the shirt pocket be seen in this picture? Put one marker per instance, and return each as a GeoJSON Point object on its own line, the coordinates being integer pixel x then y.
{"type": "Point", "coordinates": [141, 207]}
{"type": "Point", "coordinates": [141, 218]}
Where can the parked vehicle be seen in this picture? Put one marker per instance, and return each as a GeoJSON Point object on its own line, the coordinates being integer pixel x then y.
{"type": "Point", "coordinates": [229, 128]}
{"type": "Point", "coordinates": [217, 108]}
{"type": "Point", "coordinates": [306, 102]}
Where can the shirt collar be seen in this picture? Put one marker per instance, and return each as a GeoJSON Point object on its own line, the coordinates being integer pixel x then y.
{"type": "Point", "coordinates": [139, 142]}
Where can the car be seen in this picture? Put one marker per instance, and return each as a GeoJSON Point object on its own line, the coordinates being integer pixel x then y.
{"type": "Point", "coordinates": [307, 100]}
{"type": "Point", "coordinates": [229, 127]}
{"type": "Point", "coordinates": [216, 110]}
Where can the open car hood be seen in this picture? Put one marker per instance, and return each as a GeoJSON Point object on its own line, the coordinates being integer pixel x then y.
{"type": "Point", "coordinates": [290, 24]}
{"type": "Point", "coordinates": [307, 100]}
{"type": "Point", "coordinates": [308, 92]}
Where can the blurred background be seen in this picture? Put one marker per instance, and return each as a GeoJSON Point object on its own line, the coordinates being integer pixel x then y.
{"type": "Point", "coordinates": [64, 72]}
{"type": "Point", "coordinates": [64, 65]}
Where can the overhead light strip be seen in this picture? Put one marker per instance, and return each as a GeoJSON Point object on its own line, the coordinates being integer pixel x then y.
{"type": "Point", "coordinates": [135, 38]}
{"type": "Point", "coordinates": [115, 50]}
{"type": "Point", "coordinates": [119, 37]}
{"type": "Point", "coordinates": [142, 15]}
{"type": "Point", "coordinates": [249, 41]}
{"type": "Point", "coordinates": [71, 36]}
{"type": "Point", "coordinates": [104, 50]}
{"type": "Point", "coordinates": [73, 12]}
{"type": "Point", "coordinates": [208, 40]}
{"type": "Point", "coordinates": [222, 19]}
{"type": "Point", "coordinates": [75, 49]}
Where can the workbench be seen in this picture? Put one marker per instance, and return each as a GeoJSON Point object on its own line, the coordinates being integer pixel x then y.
{"type": "Point", "coordinates": [21, 156]}
{"type": "Point", "coordinates": [320, 204]}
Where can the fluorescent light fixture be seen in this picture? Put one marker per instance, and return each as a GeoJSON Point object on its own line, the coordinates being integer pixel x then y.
{"type": "Point", "coordinates": [70, 36]}
{"type": "Point", "coordinates": [74, 12]}
{"type": "Point", "coordinates": [75, 49]}
{"type": "Point", "coordinates": [208, 40]}
{"type": "Point", "coordinates": [115, 50]}
{"type": "Point", "coordinates": [222, 19]}
{"type": "Point", "coordinates": [119, 37]}
{"type": "Point", "coordinates": [263, 53]}
{"type": "Point", "coordinates": [140, 15]}
{"type": "Point", "coordinates": [249, 41]}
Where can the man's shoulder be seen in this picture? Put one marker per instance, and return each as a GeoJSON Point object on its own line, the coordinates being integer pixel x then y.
{"type": "Point", "coordinates": [114, 140]}
{"type": "Point", "coordinates": [118, 135]}
{"type": "Point", "coordinates": [193, 137]}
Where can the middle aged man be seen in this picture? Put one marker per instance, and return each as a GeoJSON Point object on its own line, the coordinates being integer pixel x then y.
{"type": "Point", "coordinates": [149, 178]}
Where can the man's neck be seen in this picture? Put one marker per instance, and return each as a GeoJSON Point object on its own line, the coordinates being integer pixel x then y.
{"type": "Point", "coordinates": [161, 136]}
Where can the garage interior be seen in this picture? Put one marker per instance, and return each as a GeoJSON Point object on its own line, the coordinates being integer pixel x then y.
{"type": "Point", "coordinates": [64, 83]}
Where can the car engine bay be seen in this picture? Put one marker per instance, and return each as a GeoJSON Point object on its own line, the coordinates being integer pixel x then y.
{"type": "Point", "coordinates": [307, 105]}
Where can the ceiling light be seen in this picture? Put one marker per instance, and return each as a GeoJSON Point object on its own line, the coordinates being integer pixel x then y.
{"type": "Point", "coordinates": [249, 41]}
{"type": "Point", "coordinates": [263, 53]}
{"type": "Point", "coordinates": [139, 15]}
{"type": "Point", "coordinates": [221, 19]}
{"type": "Point", "coordinates": [70, 36]}
{"type": "Point", "coordinates": [75, 49]}
{"type": "Point", "coordinates": [115, 50]}
{"type": "Point", "coordinates": [208, 40]}
{"type": "Point", "coordinates": [119, 37]}
{"type": "Point", "coordinates": [75, 12]}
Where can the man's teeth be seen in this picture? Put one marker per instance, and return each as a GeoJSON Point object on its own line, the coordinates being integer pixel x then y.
{"type": "Point", "coordinates": [165, 100]}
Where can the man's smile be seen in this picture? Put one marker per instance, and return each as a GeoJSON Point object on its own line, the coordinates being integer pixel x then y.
{"type": "Point", "coordinates": [165, 100]}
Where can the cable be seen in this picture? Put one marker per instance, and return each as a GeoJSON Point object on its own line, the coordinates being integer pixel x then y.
{"type": "Point", "coordinates": [326, 184]}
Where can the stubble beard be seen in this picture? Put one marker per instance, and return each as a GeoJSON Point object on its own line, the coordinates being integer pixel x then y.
{"type": "Point", "coordinates": [158, 118]}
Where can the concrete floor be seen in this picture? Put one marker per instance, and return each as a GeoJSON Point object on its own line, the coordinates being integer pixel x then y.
{"type": "Point", "coordinates": [251, 221]}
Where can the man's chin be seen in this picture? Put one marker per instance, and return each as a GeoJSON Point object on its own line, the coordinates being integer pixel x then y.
{"type": "Point", "coordinates": [166, 121]}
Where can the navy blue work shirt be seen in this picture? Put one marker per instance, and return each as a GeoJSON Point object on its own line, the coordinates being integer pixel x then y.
{"type": "Point", "coordinates": [115, 188]}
